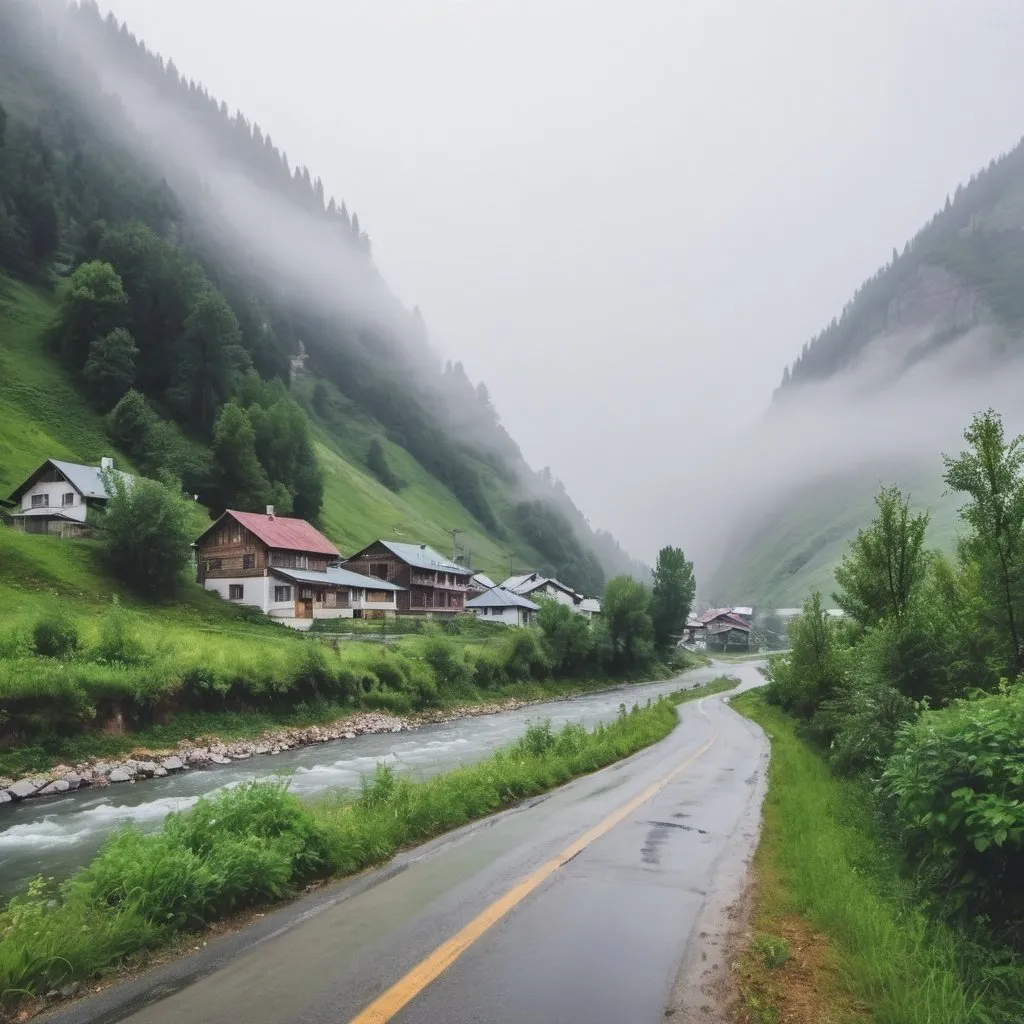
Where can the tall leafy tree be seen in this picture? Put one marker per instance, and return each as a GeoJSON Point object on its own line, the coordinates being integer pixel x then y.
{"type": "Point", "coordinates": [146, 533]}
{"type": "Point", "coordinates": [626, 611]}
{"type": "Point", "coordinates": [91, 302]}
{"type": "Point", "coordinates": [110, 369]}
{"type": "Point", "coordinates": [990, 472]}
{"type": "Point", "coordinates": [672, 595]}
{"type": "Point", "coordinates": [886, 564]}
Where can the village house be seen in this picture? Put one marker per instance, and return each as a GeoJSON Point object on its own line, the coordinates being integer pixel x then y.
{"type": "Point", "coordinates": [724, 630]}
{"type": "Point", "coordinates": [430, 584]}
{"type": "Point", "coordinates": [533, 586]}
{"type": "Point", "coordinates": [479, 583]}
{"type": "Point", "coordinates": [59, 498]}
{"type": "Point", "coordinates": [503, 606]}
{"type": "Point", "coordinates": [288, 569]}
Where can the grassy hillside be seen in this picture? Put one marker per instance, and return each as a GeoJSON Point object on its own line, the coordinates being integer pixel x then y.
{"type": "Point", "coordinates": [794, 548]}
{"type": "Point", "coordinates": [43, 414]}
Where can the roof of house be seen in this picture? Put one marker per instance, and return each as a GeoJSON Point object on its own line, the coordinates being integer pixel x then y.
{"type": "Point", "coordinates": [713, 613]}
{"type": "Point", "coordinates": [282, 533]}
{"type": "Point", "coordinates": [498, 598]}
{"type": "Point", "coordinates": [743, 610]}
{"type": "Point", "coordinates": [87, 480]}
{"type": "Point", "coordinates": [590, 604]}
{"type": "Point", "coordinates": [334, 577]}
{"type": "Point", "coordinates": [423, 557]}
{"type": "Point", "coordinates": [726, 622]}
{"type": "Point", "coordinates": [527, 583]}
{"type": "Point", "coordinates": [484, 581]}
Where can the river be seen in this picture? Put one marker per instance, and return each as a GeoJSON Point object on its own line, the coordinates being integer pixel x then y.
{"type": "Point", "coordinates": [56, 835]}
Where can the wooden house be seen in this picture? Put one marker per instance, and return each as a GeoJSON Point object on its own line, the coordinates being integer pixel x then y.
{"type": "Point", "coordinates": [286, 568]}
{"type": "Point", "coordinates": [430, 583]}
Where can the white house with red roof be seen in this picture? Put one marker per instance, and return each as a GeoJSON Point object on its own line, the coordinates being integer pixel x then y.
{"type": "Point", "coordinates": [288, 569]}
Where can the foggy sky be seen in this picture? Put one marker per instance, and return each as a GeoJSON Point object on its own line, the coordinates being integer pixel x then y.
{"type": "Point", "coordinates": [624, 215]}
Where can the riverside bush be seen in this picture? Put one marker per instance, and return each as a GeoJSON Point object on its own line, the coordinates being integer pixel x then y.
{"type": "Point", "coordinates": [955, 783]}
{"type": "Point", "coordinates": [258, 842]}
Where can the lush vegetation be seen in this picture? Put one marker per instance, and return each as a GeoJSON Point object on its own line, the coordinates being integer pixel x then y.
{"type": "Point", "coordinates": [258, 843]}
{"type": "Point", "coordinates": [919, 691]}
{"type": "Point", "coordinates": [840, 931]}
{"type": "Point", "coordinates": [79, 653]}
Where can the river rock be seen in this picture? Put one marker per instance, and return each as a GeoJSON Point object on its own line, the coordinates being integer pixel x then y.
{"type": "Point", "coordinates": [147, 768]}
{"type": "Point", "coordinates": [5, 797]}
{"type": "Point", "coordinates": [74, 780]}
{"type": "Point", "coordinates": [60, 786]}
{"type": "Point", "coordinates": [159, 772]}
{"type": "Point", "coordinates": [220, 759]}
{"type": "Point", "coordinates": [120, 775]}
{"type": "Point", "coordinates": [172, 764]}
{"type": "Point", "coordinates": [24, 789]}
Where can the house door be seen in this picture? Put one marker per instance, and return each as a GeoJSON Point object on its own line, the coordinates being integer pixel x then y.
{"type": "Point", "coordinates": [304, 608]}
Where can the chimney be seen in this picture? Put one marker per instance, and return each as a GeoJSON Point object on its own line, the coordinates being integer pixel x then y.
{"type": "Point", "coordinates": [423, 547]}
{"type": "Point", "coordinates": [270, 511]}
{"type": "Point", "coordinates": [106, 463]}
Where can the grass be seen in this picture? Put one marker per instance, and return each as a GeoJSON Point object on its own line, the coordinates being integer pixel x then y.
{"type": "Point", "coordinates": [258, 843]}
{"type": "Point", "coordinates": [828, 884]}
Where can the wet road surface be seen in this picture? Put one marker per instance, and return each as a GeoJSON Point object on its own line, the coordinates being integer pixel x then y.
{"type": "Point", "coordinates": [574, 908]}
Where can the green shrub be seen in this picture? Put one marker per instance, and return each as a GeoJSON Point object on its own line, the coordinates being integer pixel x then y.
{"type": "Point", "coordinates": [447, 661]}
{"type": "Point", "coordinates": [523, 655]}
{"type": "Point", "coordinates": [55, 636]}
{"type": "Point", "coordinates": [119, 641]}
{"type": "Point", "coordinates": [955, 785]}
{"type": "Point", "coordinates": [488, 670]}
{"type": "Point", "coordinates": [771, 950]}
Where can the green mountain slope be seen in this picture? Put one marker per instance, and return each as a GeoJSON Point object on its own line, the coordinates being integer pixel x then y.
{"type": "Point", "coordinates": [114, 232]}
{"type": "Point", "coordinates": [43, 414]}
{"type": "Point", "coordinates": [935, 335]}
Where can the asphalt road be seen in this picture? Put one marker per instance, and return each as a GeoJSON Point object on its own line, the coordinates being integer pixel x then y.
{"type": "Point", "coordinates": [584, 906]}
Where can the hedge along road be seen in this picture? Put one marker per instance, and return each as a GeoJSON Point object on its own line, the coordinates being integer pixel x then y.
{"type": "Point", "coordinates": [578, 907]}
{"type": "Point", "coordinates": [54, 836]}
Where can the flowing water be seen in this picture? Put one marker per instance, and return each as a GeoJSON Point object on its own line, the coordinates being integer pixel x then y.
{"type": "Point", "coordinates": [56, 835]}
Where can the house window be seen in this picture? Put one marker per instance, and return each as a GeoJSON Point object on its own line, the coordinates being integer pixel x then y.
{"type": "Point", "coordinates": [319, 597]}
{"type": "Point", "coordinates": [282, 593]}
{"type": "Point", "coordinates": [40, 501]}
{"type": "Point", "coordinates": [379, 570]}
{"type": "Point", "coordinates": [235, 592]}
{"type": "Point", "coordinates": [248, 561]}
{"type": "Point", "coordinates": [288, 560]}
{"type": "Point", "coordinates": [68, 498]}
{"type": "Point", "coordinates": [212, 564]}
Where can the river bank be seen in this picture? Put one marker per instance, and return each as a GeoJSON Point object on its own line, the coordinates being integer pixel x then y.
{"type": "Point", "coordinates": [148, 761]}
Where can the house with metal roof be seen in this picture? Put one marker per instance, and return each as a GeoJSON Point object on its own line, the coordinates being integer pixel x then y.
{"type": "Point", "coordinates": [288, 569]}
{"type": "Point", "coordinates": [432, 585]}
{"type": "Point", "coordinates": [480, 583]}
{"type": "Point", "coordinates": [534, 586]}
{"type": "Point", "coordinates": [59, 498]}
{"type": "Point", "coordinates": [497, 605]}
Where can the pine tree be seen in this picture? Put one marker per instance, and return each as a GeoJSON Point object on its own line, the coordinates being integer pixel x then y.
{"type": "Point", "coordinates": [239, 478]}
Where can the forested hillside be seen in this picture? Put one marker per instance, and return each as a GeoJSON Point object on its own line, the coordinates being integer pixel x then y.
{"type": "Point", "coordinates": [929, 339]}
{"type": "Point", "coordinates": [210, 312]}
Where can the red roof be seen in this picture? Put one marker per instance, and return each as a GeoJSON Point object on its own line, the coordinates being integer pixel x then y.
{"type": "Point", "coordinates": [287, 534]}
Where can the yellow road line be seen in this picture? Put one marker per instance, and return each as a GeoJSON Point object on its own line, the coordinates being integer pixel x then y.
{"type": "Point", "coordinates": [386, 1005]}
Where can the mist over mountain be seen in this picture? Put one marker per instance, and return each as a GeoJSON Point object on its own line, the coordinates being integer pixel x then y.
{"type": "Point", "coordinates": [887, 386]}
{"type": "Point", "coordinates": [110, 154]}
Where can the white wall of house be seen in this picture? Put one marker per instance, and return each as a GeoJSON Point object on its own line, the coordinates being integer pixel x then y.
{"type": "Point", "coordinates": [256, 591]}
{"type": "Point", "coordinates": [507, 615]}
{"type": "Point", "coordinates": [54, 494]}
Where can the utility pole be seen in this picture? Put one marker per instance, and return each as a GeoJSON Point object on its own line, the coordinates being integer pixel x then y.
{"type": "Point", "coordinates": [455, 534]}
